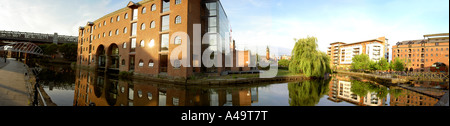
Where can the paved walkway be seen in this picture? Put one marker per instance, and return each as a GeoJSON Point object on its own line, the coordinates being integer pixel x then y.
{"type": "Point", "coordinates": [13, 91]}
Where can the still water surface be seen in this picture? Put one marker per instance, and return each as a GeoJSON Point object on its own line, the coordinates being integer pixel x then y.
{"type": "Point", "coordinates": [67, 87]}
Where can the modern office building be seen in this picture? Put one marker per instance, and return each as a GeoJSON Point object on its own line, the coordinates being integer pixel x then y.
{"type": "Point", "coordinates": [142, 36]}
{"type": "Point", "coordinates": [341, 53]}
{"type": "Point", "coordinates": [425, 55]}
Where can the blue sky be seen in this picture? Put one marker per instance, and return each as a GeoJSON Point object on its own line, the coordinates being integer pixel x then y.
{"type": "Point", "coordinates": [259, 22]}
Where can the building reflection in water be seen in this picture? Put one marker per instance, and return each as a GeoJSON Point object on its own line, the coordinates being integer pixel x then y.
{"type": "Point", "coordinates": [364, 93]}
{"type": "Point", "coordinates": [97, 89]}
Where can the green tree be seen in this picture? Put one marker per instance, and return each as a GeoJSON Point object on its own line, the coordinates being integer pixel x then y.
{"type": "Point", "coordinates": [49, 49]}
{"type": "Point", "coordinates": [360, 62]}
{"type": "Point", "coordinates": [383, 64]}
{"type": "Point", "coordinates": [308, 60]}
{"type": "Point", "coordinates": [283, 63]}
{"type": "Point", "coordinates": [398, 64]}
{"type": "Point", "coordinates": [373, 66]}
{"type": "Point", "coordinates": [307, 93]}
{"type": "Point", "coordinates": [69, 51]}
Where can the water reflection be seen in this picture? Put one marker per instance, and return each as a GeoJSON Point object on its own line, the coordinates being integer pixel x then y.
{"type": "Point", "coordinates": [85, 88]}
{"type": "Point", "coordinates": [365, 93]}
{"type": "Point", "coordinates": [98, 89]}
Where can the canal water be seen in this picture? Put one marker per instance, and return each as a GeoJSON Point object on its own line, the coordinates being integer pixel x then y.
{"type": "Point", "coordinates": [69, 87]}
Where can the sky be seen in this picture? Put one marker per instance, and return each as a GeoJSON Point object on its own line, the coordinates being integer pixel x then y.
{"type": "Point", "coordinates": [258, 23]}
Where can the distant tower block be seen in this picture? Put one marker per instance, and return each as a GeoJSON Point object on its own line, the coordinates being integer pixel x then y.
{"type": "Point", "coordinates": [55, 38]}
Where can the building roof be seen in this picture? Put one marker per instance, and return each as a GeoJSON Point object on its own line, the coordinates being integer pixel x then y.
{"type": "Point", "coordinates": [438, 34]}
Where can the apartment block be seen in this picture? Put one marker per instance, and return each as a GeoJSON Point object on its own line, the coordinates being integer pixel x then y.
{"type": "Point", "coordinates": [341, 53]}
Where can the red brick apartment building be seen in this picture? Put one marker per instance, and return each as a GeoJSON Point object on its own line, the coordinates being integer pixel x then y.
{"type": "Point", "coordinates": [425, 55]}
{"type": "Point", "coordinates": [140, 38]}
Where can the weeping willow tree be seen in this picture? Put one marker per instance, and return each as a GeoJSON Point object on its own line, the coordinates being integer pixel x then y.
{"type": "Point", "coordinates": [308, 60]}
{"type": "Point", "coordinates": [307, 93]}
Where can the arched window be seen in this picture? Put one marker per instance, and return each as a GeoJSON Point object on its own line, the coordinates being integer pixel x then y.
{"type": "Point", "coordinates": [151, 43]}
{"type": "Point", "coordinates": [143, 26]}
{"type": "Point", "coordinates": [104, 34]}
{"type": "Point", "coordinates": [152, 24]}
{"type": "Point", "coordinates": [150, 63]}
{"type": "Point", "coordinates": [104, 23]}
{"type": "Point", "coordinates": [125, 16]}
{"type": "Point", "coordinates": [125, 30]}
{"type": "Point", "coordinates": [141, 63]}
{"type": "Point", "coordinates": [112, 19]}
{"type": "Point", "coordinates": [124, 45]}
{"type": "Point", "coordinates": [110, 33]}
{"type": "Point", "coordinates": [117, 31]}
{"type": "Point", "coordinates": [177, 40]}
{"type": "Point", "coordinates": [178, 20]}
{"type": "Point", "coordinates": [153, 7]}
{"type": "Point", "coordinates": [144, 10]}
{"type": "Point", "coordinates": [118, 18]}
{"type": "Point", "coordinates": [123, 62]}
{"type": "Point", "coordinates": [177, 2]}
{"type": "Point", "coordinates": [142, 44]}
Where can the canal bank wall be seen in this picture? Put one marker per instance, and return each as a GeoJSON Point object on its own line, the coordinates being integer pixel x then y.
{"type": "Point", "coordinates": [233, 81]}
{"type": "Point", "coordinates": [376, 78]}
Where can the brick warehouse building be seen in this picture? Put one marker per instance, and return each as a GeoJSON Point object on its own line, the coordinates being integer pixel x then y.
{"type": "Point", "coordinates": [424, 55]}
{"type": "Point", "coordinates": [139, 37]}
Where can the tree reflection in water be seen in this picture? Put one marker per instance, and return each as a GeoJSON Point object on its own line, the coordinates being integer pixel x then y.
{"type": "Point", "coordinates": [307, 93]}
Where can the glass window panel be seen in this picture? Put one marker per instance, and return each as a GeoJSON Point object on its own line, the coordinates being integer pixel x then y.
{"type": "Point", "coordinates": [166, 5]}
{"type": "Point", "coordinates": [212, 21]}
{"type": "Point", "coordinates": [165, 23]}
{"type": "Point", "coordinates": [164, 42]}
{"type": "Point", "coordinates": [134, 29]}
{"type": "Point", "coordinates": [133, 43]}
{"type": "Point", "coordinates": [135, 14]}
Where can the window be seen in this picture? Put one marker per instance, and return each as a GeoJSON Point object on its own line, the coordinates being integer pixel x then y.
{"type": "Point", "coordinates": [139, 93]}
{"type": "Point", "coordinates": [149, 96]}
{"type": "Point", "coordinates": [125, 30]}
{"type": "Point", "coordinates": [150, 63]}
{"type": "Point", "coordinates": [153, 7]}
{"type": "Point", "coordinates": [123, 63]}
{"type": "Point", "coordinates": [141, 63]}
{"type": "Point", "coordinates": [164, 42]}
{"type": "Point", "coordinates": [177, 2]}
{"type": "Point", "coordinates": [175, 101]}
{"type": "Point", "coordinates": [112, 19]}
{"type": "Point", "coordinates": [437, 54]}
{"type": "Point", "coordinates": [142, 44]}
{"type": "Point", "coordinates": [177, 40]}
{"type": "Point", "coordinates": [135, 14]}
{"type": "Point", "coordinates": [177, 63]}
{"type": "Point", "coordinates": [124, 45]}
{"type": "Point", "coordinates": [104, 23]}
{"type": "Point", "coordinates": [436, 44]}
{"type": "Point", "coordinates": [98, 36]}
{"type": "Point", "coordinates": [165, 5]}
{"type": "Point", "coordinates": [117, 31]}
{"type": "Point", "coordinates": [152, 24]}
{"type": "Point", "coordinates": [151, 43]}
{"type": "Point", "coordinates": [133, 29]}
{"type": "Point", "coordinates": [431, 54]}
{"type": "Point", "coordinates": [104, 34]}
{"type": "Point", "coordinates": [118, 18]}
{"type": "Point", "coordinates": [144, 10]}
{"type": "Point", "coordinates": [178, 20]}
{"type": "Point", "coordinates": [110, 33]}
{"type": "Point", "coordinates": [165, 23]}
{"type": "Point", "coordinates": [432, 49]}
{"type": "Point", "coordinates": [125, 16]}
{"type": "Point", "coordinates": [133, 43]}
{"type": "Point", "coordinates": [143, 26]}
